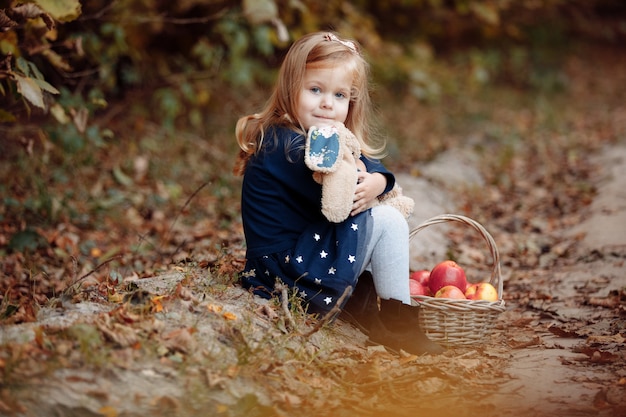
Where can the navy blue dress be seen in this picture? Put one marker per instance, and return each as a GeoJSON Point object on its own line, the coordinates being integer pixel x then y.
{"type": "Point", "coordinates": [287, 236]}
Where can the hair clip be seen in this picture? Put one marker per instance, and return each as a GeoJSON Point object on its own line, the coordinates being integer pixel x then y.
{"type": "Point", "coordinates": [350, 45]}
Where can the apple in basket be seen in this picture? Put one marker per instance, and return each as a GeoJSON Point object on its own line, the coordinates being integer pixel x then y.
{"type": "Point", "coordinates": [417, 289]}
{"type": "Point", "coordinates": [450, 291]}
{"type": "Point", "coordinates": [421, 276]}
{"type": "Point", "coordinates": [481, 291]}
{"type": "Point", "coordinates": [447, 273]}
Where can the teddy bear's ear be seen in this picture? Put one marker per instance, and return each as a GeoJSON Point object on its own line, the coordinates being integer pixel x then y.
{"type": "Point", "coordinates": [323, 149]}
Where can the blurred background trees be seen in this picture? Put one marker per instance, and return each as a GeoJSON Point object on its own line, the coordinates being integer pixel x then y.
{"type": "Point", "coordinates": [65, 61]}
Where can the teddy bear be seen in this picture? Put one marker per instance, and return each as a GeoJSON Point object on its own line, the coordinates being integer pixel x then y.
{"type": "Point", "coordinates": [395, 198]}
{"type": "Point", "coordinates": [332, 153]}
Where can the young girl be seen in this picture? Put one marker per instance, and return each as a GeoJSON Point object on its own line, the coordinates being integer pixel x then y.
{"type": "Point", "coordinates": [322, 81]}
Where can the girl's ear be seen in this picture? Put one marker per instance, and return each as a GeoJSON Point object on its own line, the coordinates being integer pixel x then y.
{"type": "Point", "coordinates": [323, 149]}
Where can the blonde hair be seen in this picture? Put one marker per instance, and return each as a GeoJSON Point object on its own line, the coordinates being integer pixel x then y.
{"type": "Point", "coordinates": [316, 50]}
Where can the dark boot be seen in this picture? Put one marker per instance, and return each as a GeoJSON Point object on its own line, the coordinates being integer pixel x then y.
{"type": "Point", "coordinates": [398, 328]}
{"type": "Point", "coordinates": [362, 307]}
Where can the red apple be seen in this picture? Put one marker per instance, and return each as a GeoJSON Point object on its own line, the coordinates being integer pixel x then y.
{"type": "Point", "coordinates": [482, 291]}
{"type": "Point", "coordinates": [418, 289]}
{"type": "Point", "coordinates": [447, 273]}
{"type": "Point", "coordinates": [450, 291]}
{"type": "Point", "coordinates": [470, 291]}
{"type": "Point", "coordinates": [421, 276]}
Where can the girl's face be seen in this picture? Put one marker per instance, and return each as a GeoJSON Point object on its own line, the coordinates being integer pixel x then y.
{"type": "Point", "coordinates": [325, 96]}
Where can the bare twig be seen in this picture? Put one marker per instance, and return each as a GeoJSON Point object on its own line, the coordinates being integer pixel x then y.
{"type": "Point", "coordinates": [284, 295]}
{"type": "Point", "coordinates": [169, 231]}
{"type": "Point", "coordinates": [179, 21]}
{"type": "Point", "coordinates": [74, 286]}
{"type": "Point", "coordinates": [74, 269]}
{"type": "Point", "coordinates": [97, 267]}
{"type": "Point", "coordinates": [178, 248]}
{"type": "Point", "coordinates": [331, 314]}
{"type": "Point", "coordinates": [100, 15]}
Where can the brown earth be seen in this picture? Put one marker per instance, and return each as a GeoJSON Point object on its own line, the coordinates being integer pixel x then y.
{"type": "Point", "coordinates": [212, 349]}
{"type": "Point", "coordinates": [575, 362]}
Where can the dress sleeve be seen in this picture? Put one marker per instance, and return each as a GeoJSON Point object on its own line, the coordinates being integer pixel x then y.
{"type": "Point", "coordinates": [374, 165]}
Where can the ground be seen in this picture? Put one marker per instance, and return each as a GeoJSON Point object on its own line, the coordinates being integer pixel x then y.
{"type": "Point", "coordinates": [546, 178]}
{"type": "Point", "coordinates": [179, 344]}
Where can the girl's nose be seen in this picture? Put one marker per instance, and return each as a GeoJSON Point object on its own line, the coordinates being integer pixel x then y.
{"type": "Point", "coordinates": [327, 101]}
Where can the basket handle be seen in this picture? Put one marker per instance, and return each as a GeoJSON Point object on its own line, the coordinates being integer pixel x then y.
{"type": "Point", "coordinates": [496, 274]}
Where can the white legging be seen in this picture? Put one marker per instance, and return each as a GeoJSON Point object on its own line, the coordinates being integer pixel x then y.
{"type": "Point", "coordinates": [387, 254]}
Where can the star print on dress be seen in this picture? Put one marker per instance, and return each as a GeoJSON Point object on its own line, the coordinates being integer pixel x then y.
{"type": "Point", "coordinates": [331, 270]}
{"type": "Point", "coordinates": [323, 254]}
{"type": "Point", "coordinates": [351, 259]}
{"type": "Point", "coordinates": [318, 281]}
{"type": "Point", "coordinates": [303, 294]}
{"type": "Point", "coordinates": [328, 300]}
{"type": "Point", "coordinates": [355, 227]}
{"type": "Point", "coordinates": [287, 259]}
{"type": "Point", "coordinates": [299, 259]}
{"type": "Point", "coordinates": [317, 237]}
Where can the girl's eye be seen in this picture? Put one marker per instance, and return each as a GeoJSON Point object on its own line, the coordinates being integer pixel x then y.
{"type": "Point", "coordinates": [315, 90]}
{"type": "Point", "coordinates": [340, 95]}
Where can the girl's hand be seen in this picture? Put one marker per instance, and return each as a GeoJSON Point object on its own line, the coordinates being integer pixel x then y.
{"type": "Point", "coordinates": [369, 187]}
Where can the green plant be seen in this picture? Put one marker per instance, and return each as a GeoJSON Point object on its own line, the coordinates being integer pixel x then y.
{"type": "Point", "coordinates": [26, 43]}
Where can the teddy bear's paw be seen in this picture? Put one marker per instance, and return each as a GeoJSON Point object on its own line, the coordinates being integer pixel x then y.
{"type": "Point", "coordinates": [323, 149]}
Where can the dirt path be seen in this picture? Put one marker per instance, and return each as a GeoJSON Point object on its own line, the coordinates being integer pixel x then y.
{"type": "Point", "coordinates": [566, 355]}
{"type": "Point", "coordinates": [574, 362]}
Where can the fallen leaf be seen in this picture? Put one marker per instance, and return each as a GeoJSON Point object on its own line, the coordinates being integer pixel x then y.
{"type": "Point", "coordinates": [608, 302]}
{"type": "Point", "coordinates": [157, 306]}
{"type": "Point", "coordinates": [213, 308]}
{"type": "Point", "coordinates": [180, 340]}
{"type": "Point", "coordinates": [524, 342]}
{"type": "Point", "coordinates": [108, 411]}
{"type": "Point", "coordinates": [229, 316]}
{"type": "Point", "coordinates": [121, 335]}
{"type": "Point", "coordinates": [558, 331]}
{"type": "Point", "coordinates": [616, 338]}
{"type": "Point", "coordinates": [468, 364]}
{"type": "Point", "coordinates": [185, 293]}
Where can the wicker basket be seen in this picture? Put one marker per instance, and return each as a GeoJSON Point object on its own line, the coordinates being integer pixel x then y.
{"type": "Point", "coordinates": [452, 322]}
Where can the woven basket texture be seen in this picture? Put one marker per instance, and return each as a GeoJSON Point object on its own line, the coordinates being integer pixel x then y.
{"type": "Point", "coordinates": [452, 322]}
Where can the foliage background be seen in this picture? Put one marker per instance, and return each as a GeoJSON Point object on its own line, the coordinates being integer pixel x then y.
{"type": "Point", "coordinates": [116, 117]}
